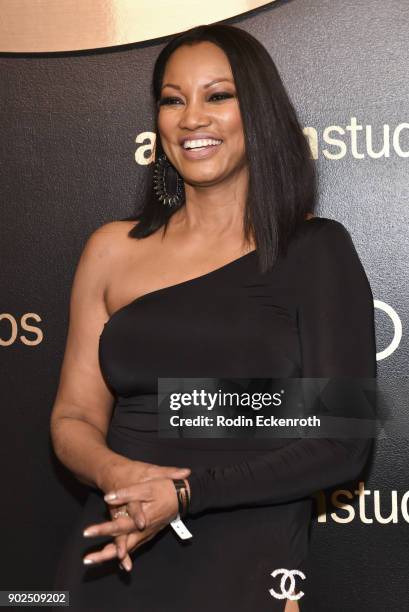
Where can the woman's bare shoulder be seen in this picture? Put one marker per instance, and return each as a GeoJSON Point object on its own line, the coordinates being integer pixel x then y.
{"type": "Point", "coordinates": [110, 238]}
{"type": "Point", "coordinates": [114, 229]}
{"type": "Point", "coordinates": [105, 249]}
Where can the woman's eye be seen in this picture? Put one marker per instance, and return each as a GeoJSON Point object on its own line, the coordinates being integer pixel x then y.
{"type": "Point", "coordinates": [222, 96]}
{"type": "Point", "coordinates": [217, 96]}
{"type": "Point", "coordinates": [168, 100]}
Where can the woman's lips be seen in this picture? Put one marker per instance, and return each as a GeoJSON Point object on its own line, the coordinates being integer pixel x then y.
{"type": "Point", "coordinates": [201, 152]}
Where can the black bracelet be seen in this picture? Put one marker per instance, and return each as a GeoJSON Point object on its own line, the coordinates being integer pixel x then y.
{"type": "Point", "coordinates": [183, 496]}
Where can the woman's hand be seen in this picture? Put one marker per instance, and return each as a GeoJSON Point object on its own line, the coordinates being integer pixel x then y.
{"type": "Point", "coordinates": [134, 539]}
{"type": "Point", "coordinates": [160, 505]}
{"type": "Point", "coordinates": [121, 475]}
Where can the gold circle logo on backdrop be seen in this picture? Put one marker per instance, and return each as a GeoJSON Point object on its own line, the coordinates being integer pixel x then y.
{"type": "Point", "coordinates": [75, 25]}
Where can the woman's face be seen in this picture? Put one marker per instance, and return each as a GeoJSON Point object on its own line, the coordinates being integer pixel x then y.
{"type": "Point", "coordinates": [198, 102]}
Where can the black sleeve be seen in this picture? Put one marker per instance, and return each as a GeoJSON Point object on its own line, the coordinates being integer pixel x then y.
{"type": "Point", "coordinates": [336, 328]}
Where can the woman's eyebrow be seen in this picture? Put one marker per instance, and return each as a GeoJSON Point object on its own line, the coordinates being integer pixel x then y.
{"type": "Point", "coordinates": [204, 86]}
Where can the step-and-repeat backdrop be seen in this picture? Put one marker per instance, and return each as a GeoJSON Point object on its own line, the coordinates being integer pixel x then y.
{"type": "Point", "coordinates": [76, 139]}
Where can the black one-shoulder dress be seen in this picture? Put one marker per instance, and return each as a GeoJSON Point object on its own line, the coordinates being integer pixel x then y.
{"type": "Point", "coordinates": [251, 499]}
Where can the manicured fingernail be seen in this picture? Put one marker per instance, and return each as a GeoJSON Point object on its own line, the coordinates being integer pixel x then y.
{"type": "Point", "coordinates": [110, 496]}
{"type": "Point", "coordinates": [88, 532]}
{"type": "Point", "coordinates": [141, 524]}
{"type": "Point", "coordinates": [88, 561]}
{"type": "Point", "coordinates": [127, 564]}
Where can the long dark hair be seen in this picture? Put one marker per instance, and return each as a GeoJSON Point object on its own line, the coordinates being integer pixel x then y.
{"type": "Point", "coordinates": [282, 179]}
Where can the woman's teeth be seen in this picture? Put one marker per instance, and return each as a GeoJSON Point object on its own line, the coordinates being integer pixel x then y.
{"type": "Point", "coordinates": [200, 144]}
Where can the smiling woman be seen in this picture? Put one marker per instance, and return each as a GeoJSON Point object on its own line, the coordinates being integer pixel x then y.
{"type": "Point", "coordinates": [236, 278]}
{"type": "Point", "coordinates": [199, 119]}
{"type": "Point", "coordinates": [218, 82]}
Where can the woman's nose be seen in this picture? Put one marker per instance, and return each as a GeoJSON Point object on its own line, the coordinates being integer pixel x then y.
{"type": "Point", "coordinates": [193, 114]}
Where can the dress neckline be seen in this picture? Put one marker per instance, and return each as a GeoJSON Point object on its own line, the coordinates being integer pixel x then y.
{"type": "Point", "coordinates": [182, 283]}
{"type": "Point", "coordinates": [226, 266]}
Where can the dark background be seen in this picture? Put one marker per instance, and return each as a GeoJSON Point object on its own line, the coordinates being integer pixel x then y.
{"type": "Point", "coordinates": [68, 129]}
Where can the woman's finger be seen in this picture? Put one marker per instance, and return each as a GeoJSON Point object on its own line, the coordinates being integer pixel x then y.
{"type": "Point", "coordinates": [107, 553]}
{"type": "Point", "coordinates": [121, 546]}
{"type": "Point", "coordinates": [120, 526]}
{"type": "Point", "coordinates": [126, 563]}
{"type": "Point", "coordinates": [163, 471]}
{"type": "Point", "coordinates": [120, 541]}
{"type": "Point", "coordinates": [138, 492]}
{"type": "Point", "coordinates": [135, 511]}
{"type": "Point", "coordinates": [131, 545]}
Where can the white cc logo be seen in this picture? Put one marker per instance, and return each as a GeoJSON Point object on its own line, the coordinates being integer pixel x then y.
{"type": "Point", "coordinates": [286, 593]}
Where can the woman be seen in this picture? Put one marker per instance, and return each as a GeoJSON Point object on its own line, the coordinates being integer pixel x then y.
{"type": "Point", "coordinates": [225, 273]}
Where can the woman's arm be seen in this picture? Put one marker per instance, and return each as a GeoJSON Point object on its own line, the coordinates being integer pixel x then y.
{"type": "Point", "coordinates": [83, 404]}
{"type": "Point", "coordinates": [336, 325]}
